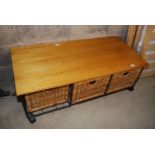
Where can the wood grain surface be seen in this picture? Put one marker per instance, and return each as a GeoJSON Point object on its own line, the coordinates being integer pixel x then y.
{"type": "Point", "coordinates": [45, 66]}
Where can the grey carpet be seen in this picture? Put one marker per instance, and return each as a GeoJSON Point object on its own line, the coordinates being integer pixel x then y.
{"type": "Point", "coordinates": [124, 109]}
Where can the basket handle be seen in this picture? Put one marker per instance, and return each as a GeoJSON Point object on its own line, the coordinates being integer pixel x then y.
{"type": "Point", "coordinates": [92, 82]}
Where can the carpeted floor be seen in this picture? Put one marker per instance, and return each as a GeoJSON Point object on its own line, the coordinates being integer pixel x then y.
{"type": "Point", "coordinates": [124, 109]}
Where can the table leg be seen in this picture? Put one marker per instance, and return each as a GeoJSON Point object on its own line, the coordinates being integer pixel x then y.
{"type": "Point", "coordinates": [31, 117]}
{"type": "Point", "coordinates": [132, 87]}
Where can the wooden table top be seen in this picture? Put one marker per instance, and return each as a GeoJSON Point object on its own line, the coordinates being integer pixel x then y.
{"type": "Point", "coordinates": [41, 67]}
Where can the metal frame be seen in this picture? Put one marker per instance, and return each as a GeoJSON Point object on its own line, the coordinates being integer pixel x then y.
{"type": "Point", "coordinates": [29, 115]}
{"type": "Point", "coordinates": [32, 116]}
{"type": "Point", "coordinates": [70, 95]}
{"type": "Point", "coordinates": [108, 84]}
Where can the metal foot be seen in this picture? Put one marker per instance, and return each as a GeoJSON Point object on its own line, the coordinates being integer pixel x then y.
{"type": "Point", "coordinates": [131, 88]}
{"type": "Point", "coordinates": [31, 117]}
{"type": "Point", "coordinates": [69, 102]}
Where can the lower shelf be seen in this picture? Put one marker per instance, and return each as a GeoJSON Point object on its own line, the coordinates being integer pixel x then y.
{"type": "Point", "coordinates": [81, 91]}
{"type": "Point", "coordinates": [31, 115]}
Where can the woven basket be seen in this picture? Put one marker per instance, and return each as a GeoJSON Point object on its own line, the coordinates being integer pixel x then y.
{"type": "Point", "coordinates": [89, 89]}
{"type": "Point", "coordinates": [44, 99]}
{"type": "Point", "coordinates": [123, 80]}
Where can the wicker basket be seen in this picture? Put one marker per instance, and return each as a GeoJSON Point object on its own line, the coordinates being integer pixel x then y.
{"type": "Point", "coordinates": [44, 99]}
{"type": "Point", "coordinates": [123, 80]}
{"type": "Point", "coordinates": [89, 89]}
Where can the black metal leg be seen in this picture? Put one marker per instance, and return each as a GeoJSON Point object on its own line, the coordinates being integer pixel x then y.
{"type": "Point", "coordinates": [31, 117]}
{"type": "Point", "coordinates": [71, 87]}
{"type": "Point", "coordinates": [131, 88]}
{"type": "Point", "coordinates": [69, 102]}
